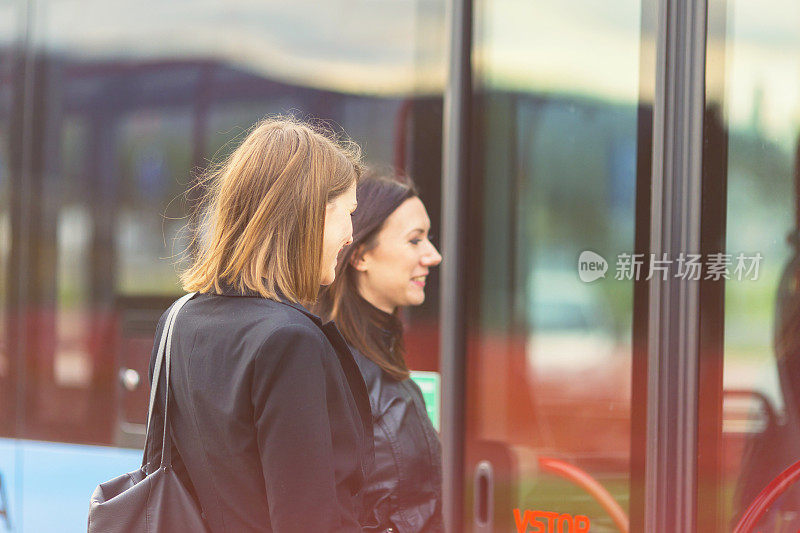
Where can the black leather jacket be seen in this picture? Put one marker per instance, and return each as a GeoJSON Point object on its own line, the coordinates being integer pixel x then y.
{"type": "Point", "coordinates": [403, 494]}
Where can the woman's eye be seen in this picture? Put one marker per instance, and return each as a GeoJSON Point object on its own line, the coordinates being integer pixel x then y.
{"type": "Point", "coordinates": [415, 241]}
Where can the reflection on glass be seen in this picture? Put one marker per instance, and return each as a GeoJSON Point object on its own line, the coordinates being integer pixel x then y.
{"type": "Point", "coordinates": [550, 355]}
{"type": "Point", "coordinates": [131, 101]}
{"type": "Point", "coordinates": [388, 48]}
{"type": "Point", "coordinates": [549, 366]}
{"type": "Point", "coordinates": [761, 428]}
{"type": "Point", "coordinates": [156, 155]}
{"type": "Point", "coordinates": [8, 35]}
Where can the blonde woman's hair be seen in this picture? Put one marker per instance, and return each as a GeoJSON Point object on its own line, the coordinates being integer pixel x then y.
{"type": "Point", "coordinates": [265, 211]}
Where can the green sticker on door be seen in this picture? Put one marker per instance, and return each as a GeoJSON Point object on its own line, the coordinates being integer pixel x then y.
{"type": "Point", "coordinates": [430, 385]}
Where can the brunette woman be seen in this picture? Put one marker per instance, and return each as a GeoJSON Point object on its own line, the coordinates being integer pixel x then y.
{"type": "Point", "coordinates": [383, 270]}
{"type": "Point", "coordinates": [269, 415]}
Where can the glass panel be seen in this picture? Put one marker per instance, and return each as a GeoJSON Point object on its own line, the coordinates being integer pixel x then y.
{"type": "Point", "coordinates": [9, 105]}
{"type": "Point", "coordinates": [760, 424]}
{"type": "Point", "coordinates": [549, 362]}
{"type": "Point", "coordinates": [132, 100]}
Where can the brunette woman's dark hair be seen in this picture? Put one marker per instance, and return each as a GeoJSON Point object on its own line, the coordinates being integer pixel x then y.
{"type": "Point", "coordinates": [376, 334]}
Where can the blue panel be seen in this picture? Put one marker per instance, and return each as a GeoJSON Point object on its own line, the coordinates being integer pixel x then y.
{"type": "Point", "coordinates": [10, 486]}
{"type": "Point", "coordinates": [58, 480]}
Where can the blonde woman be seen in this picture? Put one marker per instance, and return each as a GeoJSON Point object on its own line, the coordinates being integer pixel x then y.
{"type": "Point", "coordinates": [270, 419]}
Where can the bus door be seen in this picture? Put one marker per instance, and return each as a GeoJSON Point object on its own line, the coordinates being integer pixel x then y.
{"type": "Point", "coordinates": [551, 241]}
{"type": "Point", "coordinates": [565, 426]}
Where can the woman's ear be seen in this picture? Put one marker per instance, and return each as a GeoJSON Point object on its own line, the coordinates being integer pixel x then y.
{"type": "Point", "coordinates": [357, 260]}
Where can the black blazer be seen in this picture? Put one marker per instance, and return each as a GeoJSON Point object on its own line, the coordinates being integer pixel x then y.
{"type": "Point", "coordinates": [270, 416]}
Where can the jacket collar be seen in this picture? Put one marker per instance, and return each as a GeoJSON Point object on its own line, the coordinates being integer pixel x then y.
{"type": "Point", "coordinates": [317, 320]}
{"type": "Point", "coordinates": [229, 290]}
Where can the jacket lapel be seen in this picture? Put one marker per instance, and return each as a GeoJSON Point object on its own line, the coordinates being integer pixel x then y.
{"type": "Point", "coordinates": [354, 377]}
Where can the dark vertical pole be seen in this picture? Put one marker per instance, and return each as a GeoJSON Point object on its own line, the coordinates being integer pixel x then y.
{"type": "Point", "coordinates": [712, 293]}
{"type": "Point", "coordinates": [453, 322]}
{"type": "Point", "coordinates": [20, 198]}
{"type": "Point", "coordinates": [674, 304]}
{"type": "Point", "coordinates": [640, 326]}
{"type": "Point", "coordinates": [12, 395]}
{"type": "Point", "coordinates": [203, 101]}
{"type": "Point", "coordinates": [641, 306]}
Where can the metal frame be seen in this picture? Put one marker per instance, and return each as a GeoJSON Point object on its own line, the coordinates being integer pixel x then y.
{"type": "Point", "coordinates": [674, 310]}
{"type": "Point", "coordinates": [455, 165]}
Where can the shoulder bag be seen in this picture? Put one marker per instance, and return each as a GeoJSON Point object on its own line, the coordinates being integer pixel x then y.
{"type": "Point", "coordinates": [157, 502]}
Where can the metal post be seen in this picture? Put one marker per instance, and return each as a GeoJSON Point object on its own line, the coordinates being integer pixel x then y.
{"type": "Point", "coordinates": [674, 313]}
{"type": "Point", "coordinates": [453, 316]}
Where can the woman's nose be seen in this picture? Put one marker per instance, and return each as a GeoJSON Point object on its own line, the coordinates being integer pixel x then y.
{"type": "Point", "coordinates": [432, 257]}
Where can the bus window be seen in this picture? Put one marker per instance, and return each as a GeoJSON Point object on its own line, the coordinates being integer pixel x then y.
{"type": "Point", "coordinates": [760, 425]}
{"type": "Point", "coordinates": [130, 102]}
{"type": "Point", "coordinates": [549, 348]}
{"type": "Point", "coordinates": [10, 86]}
{"type": "Point", "coordinates": [10, 106]}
